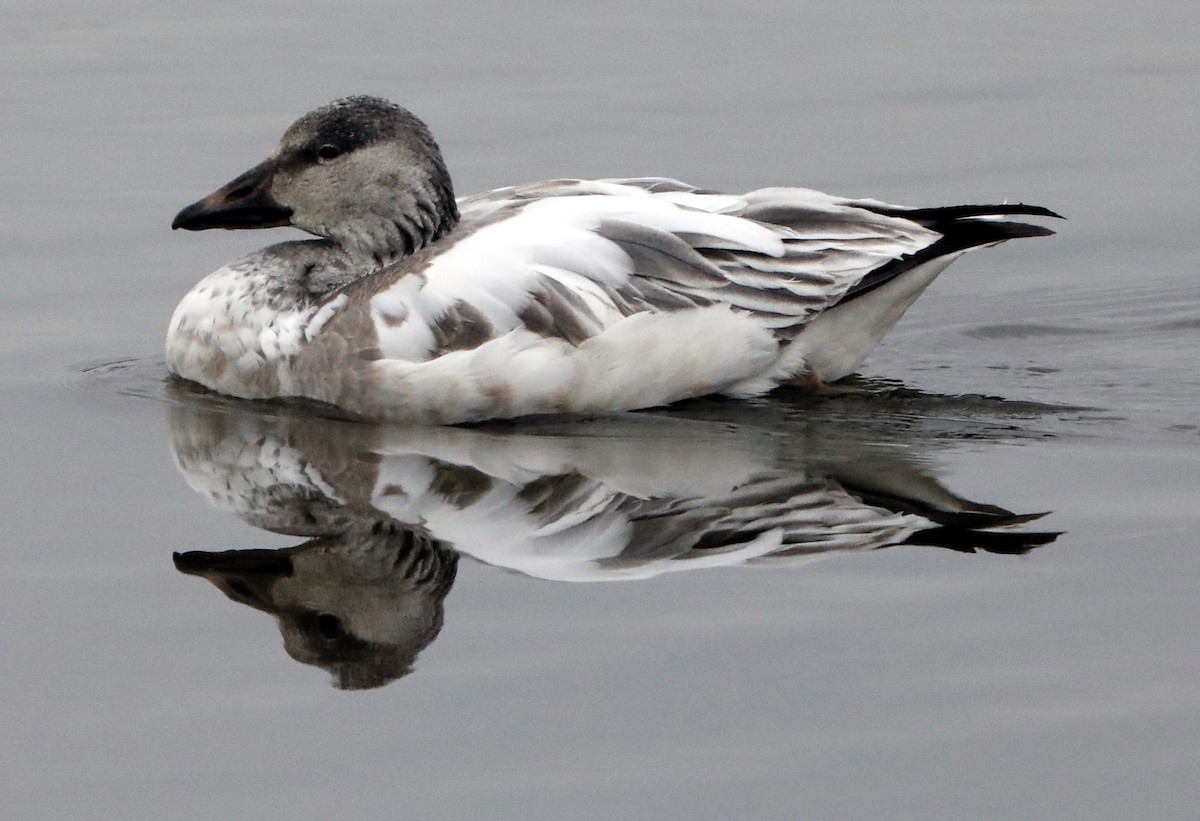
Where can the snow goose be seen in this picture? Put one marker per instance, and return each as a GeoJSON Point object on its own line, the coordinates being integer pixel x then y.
{"type": "Point", "coordinates": [548, 297]}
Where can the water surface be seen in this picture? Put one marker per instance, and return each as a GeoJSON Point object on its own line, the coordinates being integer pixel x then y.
{"type": "Point", "coordinates": [908, 681]}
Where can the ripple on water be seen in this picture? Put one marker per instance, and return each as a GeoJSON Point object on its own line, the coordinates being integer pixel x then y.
{"type": "Point", "coordinates": [865, 408]}
{"type": "Point", "coordinates": [1185, 324]}
{"type": "Point", "coordinates": [1028, 330]}
{"type": "Point", "coordinates": [145, 378]}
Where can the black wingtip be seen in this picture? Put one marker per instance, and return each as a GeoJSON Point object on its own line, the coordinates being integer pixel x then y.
{"type": "Point", "coordinates": [1011, 230]}
{"type": "Point", "coordinates": [1008, 543]}
{"type": "Point", "coordinates": [1039, 211]}
{"type": "Point", "coordinates": [946, 213]}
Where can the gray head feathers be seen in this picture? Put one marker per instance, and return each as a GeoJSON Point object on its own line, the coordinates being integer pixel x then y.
{"type": "Point", "coordinates": [360, 171]}
{"type": "Point", "coordinates": [367, 174]}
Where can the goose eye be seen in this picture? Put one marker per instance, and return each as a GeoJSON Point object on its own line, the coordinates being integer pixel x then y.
{"type": "Point", "coordinates": [329, 626]}
{"type": "Point", "coordinates": [327, 152]}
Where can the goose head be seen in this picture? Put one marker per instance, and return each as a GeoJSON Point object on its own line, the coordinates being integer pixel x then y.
{"type": "Point", "coordinates": [361, 172]}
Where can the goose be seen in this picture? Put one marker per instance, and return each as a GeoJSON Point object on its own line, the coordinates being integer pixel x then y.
{"type": "Point", "coordinates": [561, 296]}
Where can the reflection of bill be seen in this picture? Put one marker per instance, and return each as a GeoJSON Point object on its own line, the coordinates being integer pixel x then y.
{"type": "Point", "coordinates": [630, 497]}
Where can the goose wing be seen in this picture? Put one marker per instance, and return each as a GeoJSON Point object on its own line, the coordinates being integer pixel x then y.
{"type": "Point", "coordinates": [574, 296]}
{"type": "Point", "coordinates": [569, 258]}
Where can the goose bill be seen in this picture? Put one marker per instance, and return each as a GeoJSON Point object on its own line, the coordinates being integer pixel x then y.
{"type": "Point", "coordinates": [244, 202]}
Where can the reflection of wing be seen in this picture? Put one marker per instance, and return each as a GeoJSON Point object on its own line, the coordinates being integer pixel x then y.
{"type": "Point", "coordinates": [570, 526]}
{"type": "Point", "coordinates": [606, 499]}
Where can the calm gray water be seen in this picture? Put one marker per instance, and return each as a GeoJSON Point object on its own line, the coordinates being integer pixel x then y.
{"type": "Point", "coordinates": [909, 682]}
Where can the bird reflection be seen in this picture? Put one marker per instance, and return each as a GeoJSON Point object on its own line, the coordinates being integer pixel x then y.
{"type": "Point", "coordinates": [389, 510]}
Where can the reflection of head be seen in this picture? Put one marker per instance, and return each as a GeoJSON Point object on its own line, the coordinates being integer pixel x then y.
{"type": "Point", "coordinates": [361, 604]}
{"type": "Point", "coordinates": [322, 640]}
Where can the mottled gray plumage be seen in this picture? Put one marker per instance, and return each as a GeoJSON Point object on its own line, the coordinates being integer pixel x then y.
{"type": "Point", "coordinates": [543, 297]}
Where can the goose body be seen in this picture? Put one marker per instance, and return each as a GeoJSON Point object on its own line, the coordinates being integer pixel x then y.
{"type": "Point", "coordinates": [558, 296]}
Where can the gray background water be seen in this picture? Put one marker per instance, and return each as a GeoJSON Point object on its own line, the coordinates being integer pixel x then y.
{"type": "Point", "coordinates": [901, 684]}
